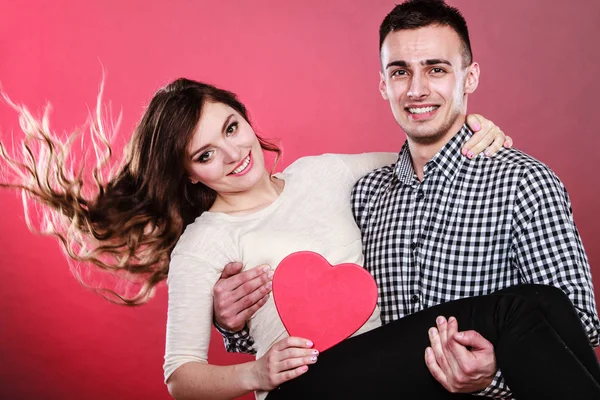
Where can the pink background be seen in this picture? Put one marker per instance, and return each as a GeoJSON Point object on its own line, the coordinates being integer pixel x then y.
{"type": "Point", "coordinates": [308, 71]}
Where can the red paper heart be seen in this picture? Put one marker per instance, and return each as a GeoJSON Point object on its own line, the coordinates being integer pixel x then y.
{"type": "Point", "coordinates": [321, 302]}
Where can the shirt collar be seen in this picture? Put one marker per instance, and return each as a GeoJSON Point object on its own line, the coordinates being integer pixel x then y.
{"type": "Point", "coordinates": [448, 159]}
{"type": "Point", "coordinates": [404, 170]}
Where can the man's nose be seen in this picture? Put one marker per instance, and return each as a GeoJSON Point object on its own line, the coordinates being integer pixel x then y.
{"type": "Point", "coordinates": [419, 88]}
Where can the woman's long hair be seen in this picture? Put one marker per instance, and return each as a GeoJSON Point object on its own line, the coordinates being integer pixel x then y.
{"type": "Point", "coordinates": [131, 221]}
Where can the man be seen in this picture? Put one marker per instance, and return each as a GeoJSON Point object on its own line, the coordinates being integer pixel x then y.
{"type": "Point", "coordinates": [437, 226]}
{"type": "Point", "coordinates": [459, 227]}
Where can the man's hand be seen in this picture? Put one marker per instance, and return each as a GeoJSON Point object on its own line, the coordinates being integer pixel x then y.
{"type": "Point", "coordinates": [458, 368]}
{"type": "Point", "coordinates": [237, 296]}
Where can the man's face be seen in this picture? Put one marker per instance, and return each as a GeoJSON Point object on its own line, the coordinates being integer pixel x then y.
{"type": "Point", "coordinates": [424, 79]}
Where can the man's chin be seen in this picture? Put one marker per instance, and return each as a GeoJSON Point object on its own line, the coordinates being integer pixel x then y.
{"type": "Point", "coordinates": [427, 139]}
{"type": "Point", "coordinates": [423, 134]}
{"type": "Point", "coordinates": [429, 132]}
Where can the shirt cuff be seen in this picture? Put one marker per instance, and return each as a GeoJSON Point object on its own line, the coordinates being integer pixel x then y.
{"type": "Point", "coordinates": [498, 389]}
{"type": "Point", "coordinates": [237, 342]}
{"type": "Point", "coordinates": [224, 331]}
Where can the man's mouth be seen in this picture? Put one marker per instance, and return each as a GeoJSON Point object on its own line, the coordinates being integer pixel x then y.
{"type": "Point", "coordinates": [422, 110]}
{"type": "Point", "coordinates": [242, 166]}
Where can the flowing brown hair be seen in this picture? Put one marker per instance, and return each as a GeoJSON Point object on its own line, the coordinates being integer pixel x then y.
{"type": "Point", "coordinates": [131, 221]}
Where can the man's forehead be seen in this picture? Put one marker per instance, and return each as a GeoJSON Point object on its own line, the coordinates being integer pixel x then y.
{"type": "Point", "coordinates": [418, 45]}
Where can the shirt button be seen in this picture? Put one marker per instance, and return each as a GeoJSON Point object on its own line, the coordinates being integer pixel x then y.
{"type": "Point", "coordinates": [420, 194]}
{"type": "Point", "coordinates": [414, 299]}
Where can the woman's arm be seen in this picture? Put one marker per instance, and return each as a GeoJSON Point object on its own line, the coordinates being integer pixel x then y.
{"type": "Point", "coordinates": [187, 373]}
{"type": "Point", "coordinates": [286, 360]}
{"type": "Point", "coordinates": [196, 380]}
{"type": "Point", "coordinates": [487, 137]}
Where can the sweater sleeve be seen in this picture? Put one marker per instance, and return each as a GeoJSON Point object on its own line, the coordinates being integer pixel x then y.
{"type": "Point", "coordinates": [361, 164]}
{"type": "Point", "coordinates": [190, 311]}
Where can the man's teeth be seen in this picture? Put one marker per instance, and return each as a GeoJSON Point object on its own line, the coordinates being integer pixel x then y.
{"type": "Point", "coordinates": [242, 167]}
{"type": "Point", "coordinates": [422, 110]}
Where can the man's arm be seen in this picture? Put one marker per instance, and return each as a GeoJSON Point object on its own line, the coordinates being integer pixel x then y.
{"type": "Point", "coordinates": [464, 362]}
{"type": "Point", "coordinates": [236, 297]}
{"type": "Point", "coordinates": [237, 342]}
{"type": "Point", "coordinates": [546, 246]}
{"type": "Point", "coordinates": [546, 249]}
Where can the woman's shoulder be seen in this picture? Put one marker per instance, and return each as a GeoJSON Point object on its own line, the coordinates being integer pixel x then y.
{"type": "Point", "coordinates": [314, 164]}
{"type": "Point", "coordinates": [338, 167]}
{"type": "Point", "coordinates": [204, 238]}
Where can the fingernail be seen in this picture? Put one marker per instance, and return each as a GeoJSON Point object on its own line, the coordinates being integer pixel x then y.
{"type": "Point", "coordinates": [313, 358]}
{"type": "Point", "coordinates": [476, 126]}
{"type": "Point", "coordinates": [470, 154]}
{"type": "Point", "coordinates": [440, 320]}
{"type": "Point", "coordinates": [459, 334]}
{"type": "Point", "coordinates": [270, 274]}
{"type": "Point", "coordinates": [487, 153]}
{"type": "Point", "coordinates": [463, 152]}
{"type": "Point", "coordinates": [309, 343]}
{"type": "Point", "coordinates": [304, 368]}
{"type": "Point", "coordinates": [266, 269]}
{"type": "Point", "coordinates": [451, 319]}
{"type": "Point", "coordinates": [429, 352]}
{"type": "Point", "coordinates": [269, 285]}
{"type": "Point", "coordinates": [315, 351]}
{"type": "Point", "coordinates": [433, 332]}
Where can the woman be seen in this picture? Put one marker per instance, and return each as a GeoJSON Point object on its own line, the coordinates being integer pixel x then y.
{"type": "Point", "coordinates": [194, 163]}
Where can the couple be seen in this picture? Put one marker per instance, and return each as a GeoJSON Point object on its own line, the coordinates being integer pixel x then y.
{"type": "Point", "coordinates": [436, 227]}
{"type": "Point", "coordinates": [194, 194]}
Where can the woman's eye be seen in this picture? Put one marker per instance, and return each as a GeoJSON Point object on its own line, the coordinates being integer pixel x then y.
{"type": "Point", "coordinates": [231, 129]}
{"type": "Point", "coordinates": [204, 157]}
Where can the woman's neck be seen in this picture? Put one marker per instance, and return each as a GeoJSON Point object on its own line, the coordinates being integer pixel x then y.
{"type": "Point", "coordinates": [263, 194]}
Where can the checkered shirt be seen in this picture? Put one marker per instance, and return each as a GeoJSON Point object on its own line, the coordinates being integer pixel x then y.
{"type": "Point", "coordinates": [471, 227]}
{"type": "Point", "coordinates": [237, 342]}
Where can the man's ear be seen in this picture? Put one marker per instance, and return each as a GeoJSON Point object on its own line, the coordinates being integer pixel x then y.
{"type": "Point", "coordinates": [383, 86]}
{"type": "Point", "coordinates": [472, 78]}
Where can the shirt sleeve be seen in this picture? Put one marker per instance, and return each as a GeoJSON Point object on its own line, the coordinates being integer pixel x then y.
{"type": "Point", "coordinates": [361, 164]}
{"type": "Point", "coordinates": [190, 311]}
{"type": "Point", "coordinates": [547, 248]}
{"type": "Point", "coordinates": [366, 193]}
{"type": "Point", "coordinates": [237, 342]}
{"type": "Point", "coordinates": [497, 389]}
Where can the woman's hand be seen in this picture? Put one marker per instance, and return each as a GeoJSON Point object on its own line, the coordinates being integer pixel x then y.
{"type": "Point", "coordinates": [487, 137]}
{"type": "Point", "coordinates": [285, 360]}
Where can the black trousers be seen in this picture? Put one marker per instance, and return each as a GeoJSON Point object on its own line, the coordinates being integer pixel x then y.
{"type": "Point", "coordinates": [539, 342]}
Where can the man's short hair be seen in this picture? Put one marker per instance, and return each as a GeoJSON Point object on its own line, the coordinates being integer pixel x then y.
{"type": "Point", "coordinates": [414, 14]}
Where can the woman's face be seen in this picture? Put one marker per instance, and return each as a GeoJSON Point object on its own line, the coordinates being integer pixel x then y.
{"type": "Point", "coordinates": [224, 153]}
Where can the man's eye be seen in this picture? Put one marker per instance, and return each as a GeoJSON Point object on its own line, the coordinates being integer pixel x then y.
{"type": "Point", "coordinates": [399, 72]}
{"type": "Point", "coordinates": [437, 70]}
{"type": "Point", "coordinates": [231, 129]}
